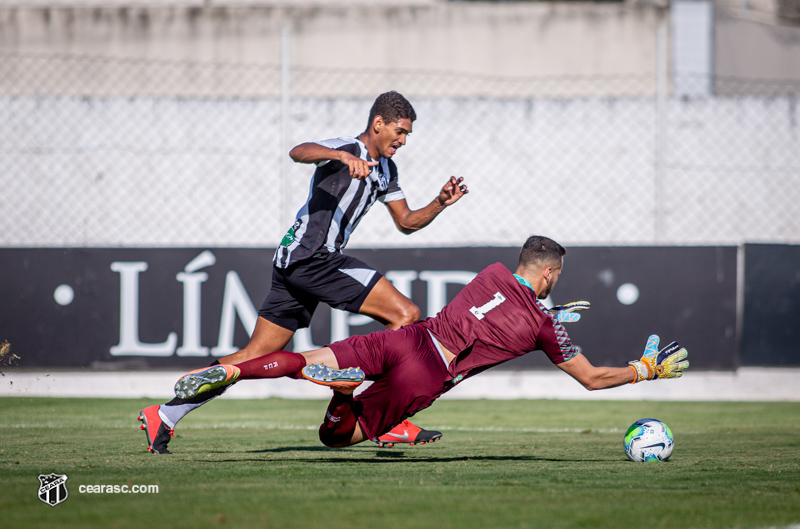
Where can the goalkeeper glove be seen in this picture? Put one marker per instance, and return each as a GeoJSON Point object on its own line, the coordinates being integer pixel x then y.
{"type": "Point", "coordinates": [666, 363]}
{"type": "Point", "coordinates": [568, 312]}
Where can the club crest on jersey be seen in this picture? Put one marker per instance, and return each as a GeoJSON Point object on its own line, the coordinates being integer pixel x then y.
{"type": "Point", "coordinates": [291, 235]}
{"type": "Point", "coordinates": [380, 178]}
{"type": "Point", "coordinates": [53, 488]}
{"type": "Point", "coordinates": [480, 312]}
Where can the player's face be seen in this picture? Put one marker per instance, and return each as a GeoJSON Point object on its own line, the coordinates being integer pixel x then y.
{"type": "Point", "coordinates": [392, 136]}
{"type": "Point", "coordinates": [554, 275]}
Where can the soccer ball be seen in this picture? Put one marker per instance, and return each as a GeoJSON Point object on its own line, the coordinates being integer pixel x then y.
{"type": "Point", "coordinates": [648, 440]}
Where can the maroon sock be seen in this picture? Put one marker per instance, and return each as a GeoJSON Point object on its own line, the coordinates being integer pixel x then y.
{"type": "Point", "coordinates": [273, 365]}
{"type": "Point", "coordinates": [340, 421]}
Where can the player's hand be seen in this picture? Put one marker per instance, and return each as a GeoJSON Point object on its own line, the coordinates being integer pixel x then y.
{"type": "Point", "coordinates": [568, 312]}
{"type": "Point", "coordinates": [666, 363]}
{"type": "Point", "coordinates": [359, 169]}
{"type": "Point", "coordinates": [452, 191]}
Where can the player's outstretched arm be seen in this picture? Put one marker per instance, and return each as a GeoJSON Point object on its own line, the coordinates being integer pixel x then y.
{"type": "Point", "coordinates": [669, 362]}
{"type": "Point", "coordinates": [316, 153]}
{"type": "Point", "coordinates": [409, 221]}
{"type": "Point", "coordinates": [591, 377]}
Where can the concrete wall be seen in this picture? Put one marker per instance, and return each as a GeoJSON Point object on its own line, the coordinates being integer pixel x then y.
{"type": "Point", "coordinates": [498, 40]}
{"type": "Point", "coordinates": [752, 46]}
{"type": "Point", "coordinates": [507, 39]}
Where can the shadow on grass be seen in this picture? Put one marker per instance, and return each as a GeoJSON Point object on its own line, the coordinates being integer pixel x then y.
{"type": "Point", "coordinates": [370, 455]}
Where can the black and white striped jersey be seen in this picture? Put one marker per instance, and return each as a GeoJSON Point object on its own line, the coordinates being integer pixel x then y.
{"type": "Point", "coordinates": [336, 203]}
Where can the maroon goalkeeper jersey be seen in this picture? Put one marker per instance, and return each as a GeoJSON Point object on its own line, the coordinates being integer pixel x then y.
{"type": "Point", "coordinates": [495, 319]}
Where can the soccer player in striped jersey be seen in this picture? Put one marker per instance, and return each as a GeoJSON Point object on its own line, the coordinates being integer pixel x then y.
{"type": "Point", "coordinates": [497, 317]}
{"type": "Point", "coordinates": [352, 173]}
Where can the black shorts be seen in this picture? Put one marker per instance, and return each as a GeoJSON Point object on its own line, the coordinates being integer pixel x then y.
{"type": "Point", "coordinates": [338, 280]}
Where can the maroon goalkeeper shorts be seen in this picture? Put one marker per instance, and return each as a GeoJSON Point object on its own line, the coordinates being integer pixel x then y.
{"type": "Point", "coordinates": [408, 371]}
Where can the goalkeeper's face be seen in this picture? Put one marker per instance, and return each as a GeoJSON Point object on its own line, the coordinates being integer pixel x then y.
{"type": "Point", "coordinates": [551, 282]}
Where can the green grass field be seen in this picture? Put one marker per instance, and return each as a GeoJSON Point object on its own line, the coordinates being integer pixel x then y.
{"type": "Point", "coordinates": [504, 464]}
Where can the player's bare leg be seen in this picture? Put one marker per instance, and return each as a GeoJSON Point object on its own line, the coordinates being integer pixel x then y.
{"type": "Point", "coordinates": [267, 337]}
{"type": "Point", "coordinates": [323, 355]}
{"type": "Point", "coordinates": [201, 385]}
{"type": "Point", "coordinates": [387, 305]}
{"type": "Point", "coordinates": [320, 366]}
{"type": "Point", "coordinates": [276, 364]}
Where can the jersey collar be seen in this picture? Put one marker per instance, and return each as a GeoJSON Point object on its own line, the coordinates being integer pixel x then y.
{"type": "Point", "coordinates": [525, 282]}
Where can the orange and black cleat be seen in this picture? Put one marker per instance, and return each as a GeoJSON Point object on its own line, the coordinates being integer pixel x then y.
{"type": "Point", "coordinates": [158, 435]}
{"type": "Point", "coordinates": [201, 380]}
{"type": "Point", "coordinates": [336, 379]}
{"type": "Point", "coordinates": [408, 433]}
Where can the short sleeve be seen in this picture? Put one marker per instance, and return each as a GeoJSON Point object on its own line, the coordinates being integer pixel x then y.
{"type": "Point", "coordinates": [555, 342]}
{"type": "Point", "coordinates": [335, 144]}
{"type": "Point", "coordinates": [393, 190]}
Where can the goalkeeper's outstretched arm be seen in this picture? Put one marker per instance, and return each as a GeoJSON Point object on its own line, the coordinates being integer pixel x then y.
{"type": "Point", "coordinates": [669, 362]}
{"type": "Point", "coordinates": [591, 377]}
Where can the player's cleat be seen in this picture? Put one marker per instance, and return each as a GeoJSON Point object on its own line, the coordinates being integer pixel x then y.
{"type": "Point", "coordinates": [158, 435]}
{"type": "Point", "coordinates": [337, 379]}
{"type": "Point", "coordinates": [407, 432]}
{"type": "Point", "coordinates": [201, 380]}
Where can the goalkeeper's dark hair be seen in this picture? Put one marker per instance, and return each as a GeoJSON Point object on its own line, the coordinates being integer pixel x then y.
{"type": "Point", "coordinates": [392, 107]}
{"type": "Point", "coordinates": [541, 252]}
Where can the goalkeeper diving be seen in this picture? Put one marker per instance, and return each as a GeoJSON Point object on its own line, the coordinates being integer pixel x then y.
{"type": "Point", "coordinates": [497, 317]}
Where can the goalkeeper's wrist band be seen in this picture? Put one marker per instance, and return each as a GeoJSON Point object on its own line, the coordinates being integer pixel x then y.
{"type": "Point", "coordinates": [642, 370]}
{"type": "Point", "coordinates": [635, 374]}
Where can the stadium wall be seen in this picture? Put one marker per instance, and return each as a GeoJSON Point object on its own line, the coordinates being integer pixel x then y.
{"type": "Point", "coordinates": [533, 38]}
{"type": "Point", "coordinates": [750, 39]}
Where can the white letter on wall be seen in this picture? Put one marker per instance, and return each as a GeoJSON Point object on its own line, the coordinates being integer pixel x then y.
{"type": "Point", "coordinates": [192, 281]}
{"type": "Point", "coordinates": [129, 344]}
{"type": "Point", "coordinates": [235, 301]}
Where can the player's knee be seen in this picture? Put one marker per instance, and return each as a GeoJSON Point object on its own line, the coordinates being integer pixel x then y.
{"type": "Point", "coordinates": [333, 438]}
{"type": "Point", "coordinates": [408, 314]}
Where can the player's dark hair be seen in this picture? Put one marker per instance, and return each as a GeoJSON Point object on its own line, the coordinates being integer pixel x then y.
{"type": "Point", "coordinates": [541, 252]}
{"type": "Point", "coordinates": [392, 107]}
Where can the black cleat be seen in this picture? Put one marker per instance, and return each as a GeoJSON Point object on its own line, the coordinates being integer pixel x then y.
{"type": "Point", "coordinates": [407, 432]}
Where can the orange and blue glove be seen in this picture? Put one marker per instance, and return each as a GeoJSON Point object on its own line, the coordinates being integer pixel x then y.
{"type": "Point", "coordinates": [667, 363]}
{"type": "Point", "coordinates": [568, 312]}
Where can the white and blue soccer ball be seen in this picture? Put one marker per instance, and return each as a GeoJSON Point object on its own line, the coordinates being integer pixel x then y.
{"type": "Point", "coordinates": [648, 440]}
